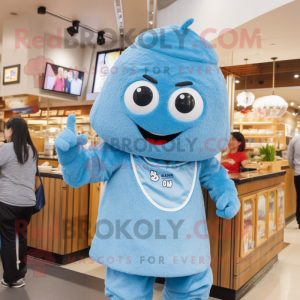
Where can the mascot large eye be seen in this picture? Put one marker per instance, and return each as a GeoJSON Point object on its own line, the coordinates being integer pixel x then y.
{"type": "Point", "coordinates": [186, 104]}
{"type": "Point", "coordinates": [141, 97]}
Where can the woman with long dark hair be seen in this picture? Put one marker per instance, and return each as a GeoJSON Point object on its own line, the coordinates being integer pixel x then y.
{"type": "Point", "coordinates": [18, 166]}
{"type": "Point", "coordinates": [236, 156]}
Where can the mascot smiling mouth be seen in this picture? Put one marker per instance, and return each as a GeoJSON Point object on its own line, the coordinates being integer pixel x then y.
{"type": "Point", "coordinates": [156, 139]}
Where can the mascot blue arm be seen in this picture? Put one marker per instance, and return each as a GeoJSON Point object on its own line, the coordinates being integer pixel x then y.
{"type": "Point", "coordinates": [221, 188]}
{"type": "Point", "coordinates": [80, 165]}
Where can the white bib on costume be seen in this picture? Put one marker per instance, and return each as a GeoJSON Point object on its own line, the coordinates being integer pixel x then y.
{"type": "Point", "coordinates": [168, 187]}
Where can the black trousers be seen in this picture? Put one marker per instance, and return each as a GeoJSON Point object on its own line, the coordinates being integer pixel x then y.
{"type": "Point", "coordinates": [297, 186]}
{"type": "Point", "coordinates": [14, 219]}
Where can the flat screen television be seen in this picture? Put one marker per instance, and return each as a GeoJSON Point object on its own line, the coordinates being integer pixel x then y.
{"type": "Point", "coordinates": [63, 80]}
{"type": "Point", "coordinates": [104, 62]}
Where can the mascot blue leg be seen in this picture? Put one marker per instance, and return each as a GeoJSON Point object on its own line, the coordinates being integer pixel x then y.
{"type": "Point", "coordinates": [191, 287]}
{"type": "Point", "coordinates": [123, 286]}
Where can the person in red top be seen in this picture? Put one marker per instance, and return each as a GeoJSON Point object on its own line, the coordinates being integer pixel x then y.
{"type": "Point", "coordinates": [237, 156]}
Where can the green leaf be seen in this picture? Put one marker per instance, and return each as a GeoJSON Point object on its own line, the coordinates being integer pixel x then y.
{"type": "Point", "coordinates": [267, 153]}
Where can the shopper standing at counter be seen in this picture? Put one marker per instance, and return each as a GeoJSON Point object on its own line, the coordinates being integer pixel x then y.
{"type": "Point", "coordinates": [18, 165]}
{"type": "Point", "coordinates": [294, 162]}
{"type": "Point", "coordinates": [237, 156]}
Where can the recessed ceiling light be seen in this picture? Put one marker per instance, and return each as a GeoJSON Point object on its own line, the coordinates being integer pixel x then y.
{"type": "Point", "coordinates": [292, 103]}
{"type": "Point", "coordinates": [13, 14]}
{"type": "Point", "coordinates": [272, 45]}
{"type": "Point", "coordinates": [237, 81]}
{"type": "Point", "coordinates": [296, 76]}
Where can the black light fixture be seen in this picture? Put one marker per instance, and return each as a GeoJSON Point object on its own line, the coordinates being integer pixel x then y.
{"type": "Point", "coordinates": [74, 28]}
{"type": "Point", "coordinates": [42, 10]}
{"type": "Point", "coordinates": [100, 38]}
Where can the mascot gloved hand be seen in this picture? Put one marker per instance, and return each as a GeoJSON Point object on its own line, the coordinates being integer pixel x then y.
{"type": "Point", "coordinates": [163, 114]}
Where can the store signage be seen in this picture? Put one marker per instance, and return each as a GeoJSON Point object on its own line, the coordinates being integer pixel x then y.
{"type": "Point", "coordinates": [74, 112]}
{"type": "Point", "coordinates": [38, 114]}
{"type": "Point", "coordinates": [22, 104]}
{"type": "Point", "coordinates": [22, 111]}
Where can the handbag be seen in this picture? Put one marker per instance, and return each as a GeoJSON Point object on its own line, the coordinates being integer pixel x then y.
{"type": "Point", "coordinates": [40, 197]}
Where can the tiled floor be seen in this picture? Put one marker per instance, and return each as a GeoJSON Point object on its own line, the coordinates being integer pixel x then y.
{"type": "Point", "coordinates": [281, 283]}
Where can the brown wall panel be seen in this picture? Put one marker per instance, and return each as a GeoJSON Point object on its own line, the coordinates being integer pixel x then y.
{"type": "Point", "coordinates": [57, 226]}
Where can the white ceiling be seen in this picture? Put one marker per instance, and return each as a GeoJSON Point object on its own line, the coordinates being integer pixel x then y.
{"type": "Point", "coordinates": [280, 26]}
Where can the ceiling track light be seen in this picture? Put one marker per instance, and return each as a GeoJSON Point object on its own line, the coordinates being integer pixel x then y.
{"type": "Point", "coordinates": [100, 38]}
{"type": "Point", "coordinates": [73, 30]}
{"type": "Point", "coordinates": [42, 10]}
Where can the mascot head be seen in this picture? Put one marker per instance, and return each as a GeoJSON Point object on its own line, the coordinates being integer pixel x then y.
{"type": "Point", "coordinates": [165, 98]}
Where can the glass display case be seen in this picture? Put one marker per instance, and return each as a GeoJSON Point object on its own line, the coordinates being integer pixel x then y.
{"type": "Point", "coordinates": [248, 225]}
{"type": "Point", "coordinates": [280, 207]}
{"type": "Point", "coordinates": [261, 218]}
{"type": "Point", "coordinates": [272, 206]}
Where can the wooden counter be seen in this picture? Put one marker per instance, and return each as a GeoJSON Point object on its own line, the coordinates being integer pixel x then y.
{"type": "Point", "coordinates": [52, 160]}
{"type": "Point", "coordinates": [235, 269]}
{"type": "Point", "coordinates": [61, 227]}
{"type": "Point", "coordinates": [67, 225]}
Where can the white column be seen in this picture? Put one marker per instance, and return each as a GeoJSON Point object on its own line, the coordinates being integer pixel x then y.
{"type": "Point", "coordinates": [230, 80]}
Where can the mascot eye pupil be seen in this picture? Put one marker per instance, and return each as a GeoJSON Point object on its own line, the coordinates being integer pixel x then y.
{"type": "Point", "coordinates": [142, 96]}
{"type": "Point", "coordinates": [185, 103]}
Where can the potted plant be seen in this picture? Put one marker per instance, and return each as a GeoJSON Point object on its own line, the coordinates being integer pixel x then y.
{"type": "Point", "coordinates": [268, 154]}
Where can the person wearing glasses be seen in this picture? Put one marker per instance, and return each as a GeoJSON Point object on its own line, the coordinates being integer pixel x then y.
{"type": "Point", "coordinates": [18, 165]}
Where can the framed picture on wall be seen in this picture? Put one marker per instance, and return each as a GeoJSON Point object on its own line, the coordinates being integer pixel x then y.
{"type": "Point", "coordinates": [247, 225]}
{"type": "Point", "coordinates": [11, 74]}
{"type": "Point", "coordinates": [272, 208]}
{"type": "Point", "coordinates": [280, 206]}
{"type": "Point", "coordinates": [261, 218]}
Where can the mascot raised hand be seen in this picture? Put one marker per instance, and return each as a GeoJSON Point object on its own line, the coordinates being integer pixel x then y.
{"type": "Point", "coordinates": [163, 116]}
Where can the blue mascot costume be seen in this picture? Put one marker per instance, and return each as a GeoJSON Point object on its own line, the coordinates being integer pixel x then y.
{"type": "Point", "coordinates": [162, 114]}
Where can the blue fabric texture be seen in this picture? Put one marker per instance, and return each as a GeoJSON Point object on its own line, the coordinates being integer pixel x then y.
{"type": "Point", "coordinates": [187, 60]}
{"type": "Point", "coordinates": [136, 239]}
{"type": "Point", "coordinates": [141, 287]}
